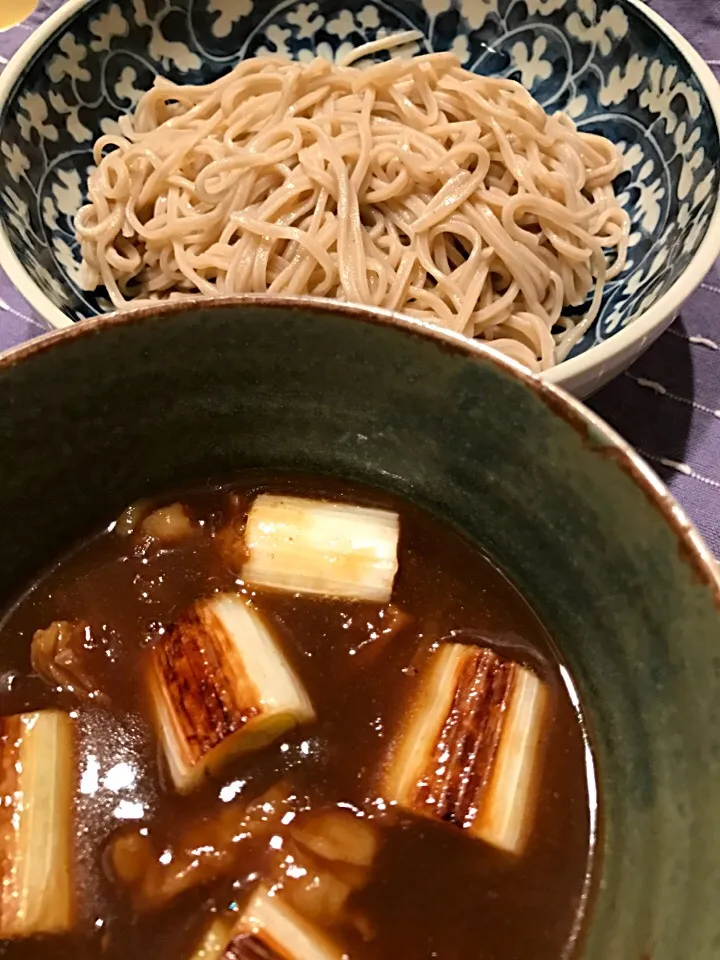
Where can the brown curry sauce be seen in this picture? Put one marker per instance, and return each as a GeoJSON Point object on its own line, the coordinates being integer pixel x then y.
{"type": "Point", "coordinates": [433, 892]}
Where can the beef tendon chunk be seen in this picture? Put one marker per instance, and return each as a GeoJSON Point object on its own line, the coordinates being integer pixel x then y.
{"type": "Point", "coordinates": [200, 853]}
{"type": "Point", "coordinates": [327, 856]}
{"type": "Point", "coordinates": [338, 836]}
{"type": "Point", "coordinates": [167, 525]}
{"type": "Point", "coordinates": [130, 519]}
{"type": "Point", "coordinates": [58, 655]}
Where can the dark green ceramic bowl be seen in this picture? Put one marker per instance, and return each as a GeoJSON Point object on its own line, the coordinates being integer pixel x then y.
{"type": "Point", "coordinates": [97, 415]}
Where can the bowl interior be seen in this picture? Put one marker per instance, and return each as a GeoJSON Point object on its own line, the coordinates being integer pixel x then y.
{"type": "Point", "coordinates": [107, 412]}
{"type": "Point", "coordinates": [605, 62]}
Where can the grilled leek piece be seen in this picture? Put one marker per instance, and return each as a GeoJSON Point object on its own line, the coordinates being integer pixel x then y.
{"type": "Point", "coordinates": [268, 929]}
{"type": "Point", "coordinates": [327, 549]}
{"type": "Point", "coordinates": [214, 942]}
{"type": "Point", "coordinates": [220, 685]}
{"type": "Point", "coordinates": [470, 752]}
{"type": "Point", "coordinates": [36, 877]}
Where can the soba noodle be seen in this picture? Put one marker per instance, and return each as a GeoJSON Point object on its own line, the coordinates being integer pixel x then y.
{"type": "Point", "coordinates": [410, 184]}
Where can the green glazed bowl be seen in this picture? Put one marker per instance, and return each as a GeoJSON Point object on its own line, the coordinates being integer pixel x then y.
{"type": "Point", "coordinates": [97, 415]}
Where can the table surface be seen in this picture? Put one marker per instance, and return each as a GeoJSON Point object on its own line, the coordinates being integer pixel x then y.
{"type": "Point", "coordinates": [667, 405]}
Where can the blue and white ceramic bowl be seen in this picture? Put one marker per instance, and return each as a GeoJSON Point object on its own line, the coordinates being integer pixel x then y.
{"type": "Point", "coordinates": [613, 65]}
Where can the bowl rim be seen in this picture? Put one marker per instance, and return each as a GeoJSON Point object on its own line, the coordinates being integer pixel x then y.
{"type": "Point", "coordinates": [592, 429]}
{"type": "Point", "coordinates": [597, 357]}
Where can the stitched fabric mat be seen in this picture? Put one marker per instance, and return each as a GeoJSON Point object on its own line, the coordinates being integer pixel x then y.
{"type": "Point", "coordinates": [667, 405]}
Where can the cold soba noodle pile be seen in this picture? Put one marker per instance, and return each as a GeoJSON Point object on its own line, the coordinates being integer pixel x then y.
{"type": "Point", "coordinates": [409, 184]}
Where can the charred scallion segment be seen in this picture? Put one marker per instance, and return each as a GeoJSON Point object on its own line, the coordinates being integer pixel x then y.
{"type": "Point", "coordinates": [268, 929]}
{"type": "Point", "coordinates": [327, 549]}
{"type": "Point", "coordinates": [36, 869]}
{"type": "Point", "coordinates": [469, 752]}
{"type": "Point", "coordinates": [220, 685]}
{"type": "Point", "coordinates": [214, 942]}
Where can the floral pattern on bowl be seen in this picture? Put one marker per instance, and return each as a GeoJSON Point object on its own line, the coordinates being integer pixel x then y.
{"type": "Point", "coordinates": [604, 62]}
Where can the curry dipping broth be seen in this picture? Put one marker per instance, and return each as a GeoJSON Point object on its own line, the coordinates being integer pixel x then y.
{"type": "Point", "coordinates": [160, 849]}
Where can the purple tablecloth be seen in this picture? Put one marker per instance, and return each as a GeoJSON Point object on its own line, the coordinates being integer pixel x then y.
{"type": "Point", "coordinates": [667, 405]}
